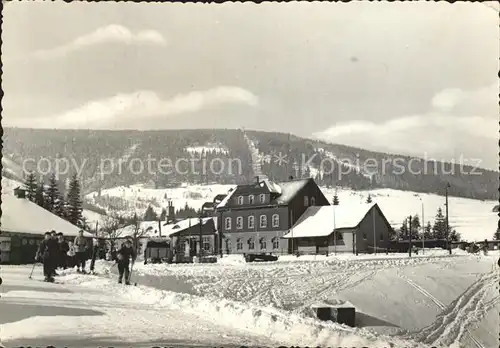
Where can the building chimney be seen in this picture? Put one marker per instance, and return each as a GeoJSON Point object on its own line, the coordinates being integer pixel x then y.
{"type": "Point", "coordinates": [257, 179]}
{"type": "Point", "coordinates": [171, 212]}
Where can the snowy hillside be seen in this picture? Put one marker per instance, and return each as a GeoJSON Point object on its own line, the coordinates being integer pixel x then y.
{"type": "Point", "coordinates": [473, 219]}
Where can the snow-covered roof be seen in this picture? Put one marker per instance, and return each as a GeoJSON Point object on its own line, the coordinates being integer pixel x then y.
{"type": "Point", "coordinates": [227, 198]}
{"type": "Point", "coordinates": [23, 216]}
{"type": "Point", "coordinates": [146, 229]}
{"type": "Point", "coordinates": [318, 221]}
{"type": "Point", "coordinates": [172, 228]}
{"type": "Point", "coordinates": [289, 189]}
{"type": "Point", "coordinates": [272, 187]}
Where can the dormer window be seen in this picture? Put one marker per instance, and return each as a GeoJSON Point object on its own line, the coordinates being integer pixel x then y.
{"type": "Point", "coordinates": [262, 198]}
{"type": "Point", "coordinates": [251, 199]}
{"type": "Point", "coordinates": [240, 200]}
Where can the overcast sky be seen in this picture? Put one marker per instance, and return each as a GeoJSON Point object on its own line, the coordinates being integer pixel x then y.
{"type": "Point", "coordinates": [410, 78]}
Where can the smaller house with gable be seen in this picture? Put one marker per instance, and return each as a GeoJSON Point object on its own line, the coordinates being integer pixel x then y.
{"type": "Point", "coordinates": [351, 228]}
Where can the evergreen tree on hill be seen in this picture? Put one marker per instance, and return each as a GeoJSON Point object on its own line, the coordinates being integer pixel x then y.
{"type": "Point", "coordinates": [163, 215]}
{"type": "Point", "coordinates": [335, 199]}
{"type": "Point", "coordinates": [59, 207]}
{"type": "Point", "coordinates": [52, 194]}
{"type": "Point", "coordinates": [31, 186]}
{"type": "Point", "coordinates": [40, 195]}
{"type": "Point", "coordinates": [439, 228]}
{"type": "Point", "coordinates": [415, 227]}
{"type": "Point", "coordinates": [74, 202]}
{"type": "Point", "coordinates": [150, 214]}
{"type": "Point", "coordinates": [403, 230]}
{"type": "Point", "coordinates": [428, 230]}
{"type": "Point", "coordinates": [369, 199]}
{"type": "Point", "coordinates": [496, 235]}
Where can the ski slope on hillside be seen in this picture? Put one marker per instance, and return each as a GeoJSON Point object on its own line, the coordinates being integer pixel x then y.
{"type": "Point", "coordinates": [473, 219]}
{"type": "Point", "coordinates": [437, 300]}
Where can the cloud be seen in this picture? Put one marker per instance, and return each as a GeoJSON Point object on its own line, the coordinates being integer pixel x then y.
{"type": "Point", "coordinates": [110, 34]}
{"type": "Point", "coordinates": [139, 105]}
{"type": "Point", "coordinates": [460, 123]}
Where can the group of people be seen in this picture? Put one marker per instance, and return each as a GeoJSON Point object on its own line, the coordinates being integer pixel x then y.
{"type": "Point", "coordinates": [55, 252]}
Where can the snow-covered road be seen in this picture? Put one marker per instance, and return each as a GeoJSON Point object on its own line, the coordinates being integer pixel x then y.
{"type": "Point", "coordinates": [86, 311]}
{"type": "Point", "coordinates": [437, 300]}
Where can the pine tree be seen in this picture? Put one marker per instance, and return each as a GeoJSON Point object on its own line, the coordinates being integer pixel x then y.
{"type": "Point", "coordinates": [74, 202]}
{"type": "Point", "coordinates": [150, 214]}
{"type": "Point", "coordinates": [40, 195]}
{"type": "Point", "coordinates": [369, 199]}
{"type": "Point", "coordinates": [335, 199]}
{"type": "Point", "coordinates": [52, 194]}
{"type": "Point", "coordinates": [439, 228]}
{"type": "Point", "coordinates": [59, 207]}
{"type": "Point", "coordinates": [415, 227]}
{"type": "Point", "coordinates": [454, 236]}
{"type": "Point", "coordinates": [163, 215]}
{"type": "Point", "coordinates": [428, 230]}
{"type": "Point", "coordinates": [31, 186]}
{"type": "Point", "coordinates": [496, 236]}
{"type": "Point", "coordinates": [403, 230]}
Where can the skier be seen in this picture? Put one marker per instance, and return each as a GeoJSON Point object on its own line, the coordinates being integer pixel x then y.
{"type": "Point", "coordinates": [123, 260]}
{"type": "Point", "coordinates": [80, 244]}
{"type": "Point", "coordinates": [95, 251]}
{"type": "Point", "coordinates": [55, 257]}
{"type": "Point", "coordinates": [71, 255]}
{"type": "Point", "coordinates": [63, 251]}
{"type": "Point", "coordinates": [47, 253]}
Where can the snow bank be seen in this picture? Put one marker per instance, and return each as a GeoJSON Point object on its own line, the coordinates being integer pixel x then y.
{"type": "Point", "coordinates": [277, 326]}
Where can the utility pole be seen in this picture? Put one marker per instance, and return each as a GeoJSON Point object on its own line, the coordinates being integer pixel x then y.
{"type": "Point", "coordinates": [423, 226]}
{"type": "Point", "coordinates": [409, 233]}
{"type": "Point", "coordinates": [447, 221]}
{"type": "Point", "coordinates": [200, 219]}
{"type": "Point", "coordinates": [334, 233]}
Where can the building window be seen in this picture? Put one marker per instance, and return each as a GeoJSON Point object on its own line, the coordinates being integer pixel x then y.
{"type": "Point", "coordinates": [240, 200]}
{"type": "Point", "coordinates": [276, 243]}
{"type": "Point", "coordinates": [263, 221]}
{"type": "Point", "coordinates": [251, 244]}
{"type": "Point", "coordinates": [263, 244]}
{"type": "Point", "coordinates": [313, 200]}
{"type": "Point", "coordinates": [251, 199]}
{"type": "Point", "coordinates": [228, 245]}
{"type": "Point", "coordinates": [381, 236]}
{"type": "Point", "coordinates": [239, 223]}
{"type": "Point", "coordinates": [339, 236]}
{"type": "Point", "coordinates": [239, 244]}
{"type": "Point", "coordinates": [227, 223]}
{"type": "Point", "coordinates": [306, 201]}
{"type": "Point", "coordinates": [364, 235]}
{"type": "Point", "coordinates": [262, 198]}
{"type": "Point", "coordinates": [251, 221]}
{"type": "Point", "coordinates": [206, 243]}
{"type": "Point", "coordinates": [276, 220]}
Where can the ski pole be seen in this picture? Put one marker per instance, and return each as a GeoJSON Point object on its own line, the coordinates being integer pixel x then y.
{"type": "Point", "coordinates": [32, 269]}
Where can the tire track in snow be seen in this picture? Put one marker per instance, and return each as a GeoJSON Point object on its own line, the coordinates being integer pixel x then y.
{"type": "Point", "coordinates": [453, 322]}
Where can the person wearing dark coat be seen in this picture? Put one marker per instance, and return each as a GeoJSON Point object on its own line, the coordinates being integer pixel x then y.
{"type": "Point", "coordinates": [63, 251]}
{"type": "Point", "coordinates": [47, 253]}
{"type": "Point", "coordinates": [123, 255]}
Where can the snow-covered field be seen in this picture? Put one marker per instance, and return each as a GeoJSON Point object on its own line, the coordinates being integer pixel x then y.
{"type": "Point", "coordinates": [473, 219]}
{"type": "Point", "coordinates": [434, 299]}
{"type": "Point", "coordinates": [142, 316]}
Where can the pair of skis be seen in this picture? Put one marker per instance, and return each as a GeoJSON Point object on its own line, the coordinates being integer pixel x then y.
{"type": "Point", "coordinates": [129, 275]}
